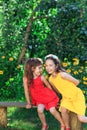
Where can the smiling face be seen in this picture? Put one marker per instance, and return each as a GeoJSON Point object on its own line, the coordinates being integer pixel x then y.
{"type": "Point", "coordinates": [37, 71]}
{"type": "Point", "coordinates": [50, 66]}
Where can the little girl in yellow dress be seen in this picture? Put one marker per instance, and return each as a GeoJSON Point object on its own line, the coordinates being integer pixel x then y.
{"type": "Point", "coordinates": [72, 96]}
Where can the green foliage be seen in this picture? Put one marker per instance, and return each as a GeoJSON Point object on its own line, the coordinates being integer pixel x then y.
{"type": "Point", "coordinates": [66, 31]}
{"type": "Point", "coordinates": [11, 79]}
{"type": "Point", "coordinates": [78, 70]}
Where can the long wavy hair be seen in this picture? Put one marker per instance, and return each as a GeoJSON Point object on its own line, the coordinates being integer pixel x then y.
{"type": "Point", "coordinates": [31, 64]}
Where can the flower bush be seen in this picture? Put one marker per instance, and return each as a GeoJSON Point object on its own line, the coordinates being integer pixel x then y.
{"type": "Point", "coordinates": [11, 84]}
{"type": "Point", "coordinates": [78, 70]}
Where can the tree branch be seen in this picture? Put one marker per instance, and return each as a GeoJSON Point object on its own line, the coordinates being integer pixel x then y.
{"type": "Point", "coordinates": [28, 29]}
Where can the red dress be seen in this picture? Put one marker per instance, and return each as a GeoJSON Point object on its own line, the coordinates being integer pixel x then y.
{"type": "Point", "coordinates": [42, 95]}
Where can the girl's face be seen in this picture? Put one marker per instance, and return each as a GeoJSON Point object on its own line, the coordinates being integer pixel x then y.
{"type": "Point", "coordinates": [37, 71]}
{"type": "Point", "coordinates": [50, 66]}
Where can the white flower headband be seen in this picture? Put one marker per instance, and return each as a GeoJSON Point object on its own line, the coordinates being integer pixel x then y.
{"type": "Point", "coordinates": [51, 55]}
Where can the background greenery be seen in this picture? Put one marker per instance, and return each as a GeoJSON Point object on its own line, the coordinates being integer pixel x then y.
{"type": "Point", "coordinates": [35, 28]}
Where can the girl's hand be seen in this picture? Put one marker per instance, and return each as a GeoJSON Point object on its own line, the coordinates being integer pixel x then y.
{"type": "Point", "coordinates": [28, 106]}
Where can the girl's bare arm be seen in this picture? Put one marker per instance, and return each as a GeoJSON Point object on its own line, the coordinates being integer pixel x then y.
{"type": "Point", "coordinates": [70, 78]}
{"type": "Point", "coordinates": [26, 90]}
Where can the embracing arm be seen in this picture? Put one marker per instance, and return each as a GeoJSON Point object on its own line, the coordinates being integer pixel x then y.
{"type": "Point", "coordinates": [26, 91]}
{"type": "Point", "coordinates": [70, 78]}
{"type": "Point", "coordinates": [46, 82]}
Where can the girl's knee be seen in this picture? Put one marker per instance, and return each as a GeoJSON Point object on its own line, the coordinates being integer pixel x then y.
{"type": "Point", "coordinates": [52, 110]}
{"type": "Point", "coordinates": [40, 108]}
{"type": "Point", "coordinates": [64, 110]}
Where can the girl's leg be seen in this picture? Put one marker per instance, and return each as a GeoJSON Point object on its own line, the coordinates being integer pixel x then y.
{"type": "Point", "coordinates": [65, 116]}
{"type": "Point", "coordinates": [57, 115]}
{"type": "Point", "coordinates": [82, 118]}
{"type": "Point", "coordinates": [40, 110]}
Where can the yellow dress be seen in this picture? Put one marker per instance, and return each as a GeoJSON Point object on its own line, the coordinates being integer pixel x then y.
{"type": "Point", "coordinates": [72, 96]}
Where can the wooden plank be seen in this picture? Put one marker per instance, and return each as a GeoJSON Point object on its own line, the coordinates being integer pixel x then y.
{"type": "Point", "coordinates": [74, 122]}
{"type": "Point", "coordinates": [3, 110]}
{"type": "Point", "coordinates": [14, 104]}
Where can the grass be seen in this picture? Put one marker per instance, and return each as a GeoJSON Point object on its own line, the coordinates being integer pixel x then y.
{"type": "Point", "coordinates": [27, 119]}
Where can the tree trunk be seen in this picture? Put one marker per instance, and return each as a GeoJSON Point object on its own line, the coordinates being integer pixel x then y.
{"type": "Point", "coordinates": [27, 33]}
{"type": "Point", "coordinates": [75, 124]}
{"type": "Point", "coordinates": [3, 116]}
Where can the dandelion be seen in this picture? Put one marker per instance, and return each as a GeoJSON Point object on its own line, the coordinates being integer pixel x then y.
{"type": "Point", "coordinates": [84, 78]}
{"type": "Point", "coordinates": [3, 57]}
{"type": "Point", "coordinates": [76, 61]}
{"type": "Point", "coordinates": [68, 70]}
{"type": "Point", "coordinates": [64, 64]}
{"type": "Point", "coordinates": [80, 71]}
{"type": "Point", "coordinates": [18, 67]}
{"type": "Point", "coordinates": [1, 72]}
{"type": "Point", "coordinates": [75, 72]}
{"type": "Point", "coordinates": [11, 59]}
{"type": "Point", "coordinates": [85, 82]}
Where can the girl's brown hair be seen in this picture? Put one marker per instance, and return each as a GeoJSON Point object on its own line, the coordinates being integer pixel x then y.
{"type": "Point", "coordinates": [28, 71]}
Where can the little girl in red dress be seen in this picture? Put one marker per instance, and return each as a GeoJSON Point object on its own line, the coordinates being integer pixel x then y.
{"type": "Point", "coordinates": [39, 92]}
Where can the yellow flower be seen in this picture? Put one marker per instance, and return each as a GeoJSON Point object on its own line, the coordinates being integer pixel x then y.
{"type": "Point", "coordinates": [80, 71]}
{"type": "Point", "coordinates": [68, 70]}
{"type": "Point", "coordinates": [85, 82]}
{"type": "Point", "coordinates": [64, 64]}
{"type": "Point", "coordinates": [84, 78]}
{"type": "Point", "coordinates": [75, 72]}
{"type": "Point", "coordinates": [3, 57]}
{"type": "Point", "coordinates": [1, 72]}
{"type": "Point", "coordinates": [76, 61]}
{"type": "Point", "coordinates": [11, 59]}
{"type": "Point", "coordinates": [18, 67]}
